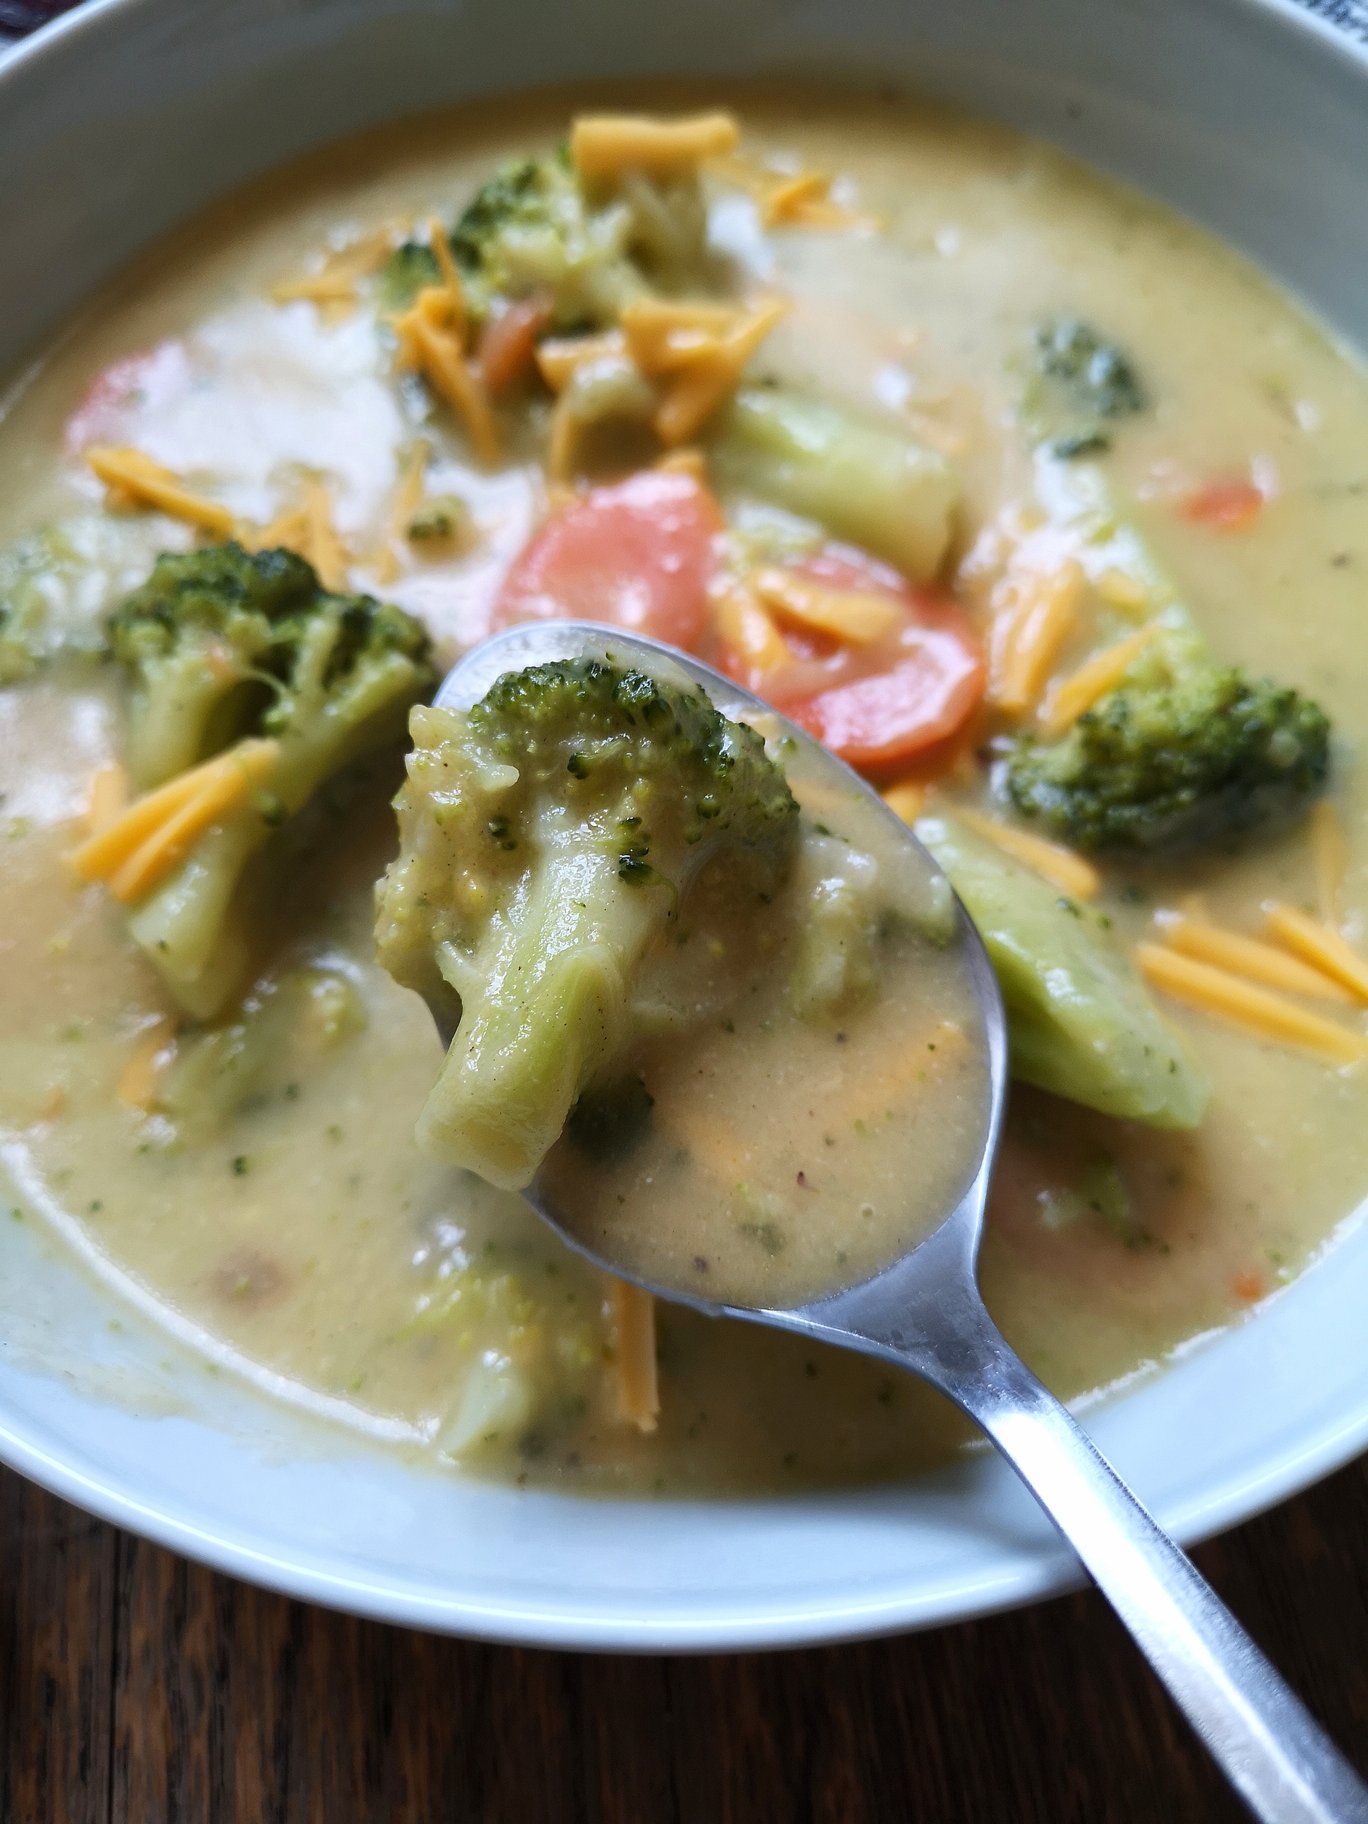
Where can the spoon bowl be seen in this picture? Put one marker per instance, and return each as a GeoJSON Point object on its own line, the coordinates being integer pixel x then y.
{"type": "Point", "coordinates": [924, 1312]}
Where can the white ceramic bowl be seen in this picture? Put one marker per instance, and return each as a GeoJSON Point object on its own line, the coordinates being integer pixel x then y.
{"type": "Point", "coordinates": [123, 118]}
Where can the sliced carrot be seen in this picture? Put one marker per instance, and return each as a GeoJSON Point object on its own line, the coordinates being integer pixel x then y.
{"type": "Point", "coordinates": [1226, 505]}
{"type": "Point", "coordinates": [508, 343]}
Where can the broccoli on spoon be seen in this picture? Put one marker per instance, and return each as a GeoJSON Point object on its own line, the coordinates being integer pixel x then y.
{"type": "Point", "coordinates": [548, 837]}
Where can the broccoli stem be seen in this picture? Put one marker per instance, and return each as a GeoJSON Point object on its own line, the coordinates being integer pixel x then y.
{"type": "Point", "coordinates": [544, 1007]}
{"type": "Point", "coordinates": [188, 926]}
{"type": "Point", "coordinates": [863, 480]}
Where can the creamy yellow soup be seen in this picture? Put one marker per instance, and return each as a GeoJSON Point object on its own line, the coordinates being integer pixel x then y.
{"type": "Point", "coordinates": [793, 1149]}
{"type": "Point", "coordinates": [303, 1237]}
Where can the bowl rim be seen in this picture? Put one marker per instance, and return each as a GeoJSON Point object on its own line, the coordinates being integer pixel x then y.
{"type": "Point", "coordinates": [1279, 1473]}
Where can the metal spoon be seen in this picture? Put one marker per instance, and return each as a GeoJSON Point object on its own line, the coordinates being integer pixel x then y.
{"type": "Point", "coordinates": [925, 1313]}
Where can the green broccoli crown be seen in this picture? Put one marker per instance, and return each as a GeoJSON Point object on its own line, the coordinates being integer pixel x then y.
{"type": "Point", "coordinates": [220, 592]}
{"type": "Point", "coordinates": [1192, 754]}
{"type": "Point", "coordinates": [1080, 385]}
{"type": "Point", "coordinates": [682, 770]}
{"type": "Point", "coordinates": [533, 831]}
{"type": "Point", "coordinates": [199, 641]}
{"type": "Point", "coordinates": [221, 643]}
{"type": "Point", "coordinates": [532, 230]}
{"type": "Point", "coordinates": [408, 269]}
{"type": "Point", "coordinates": [525, 229]}
{"type": "Point", "coordinates": [521, 194]}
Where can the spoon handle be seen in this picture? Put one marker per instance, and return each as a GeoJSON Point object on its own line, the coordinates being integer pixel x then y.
{"type": "Point", "coordinates": [1273, 1752]}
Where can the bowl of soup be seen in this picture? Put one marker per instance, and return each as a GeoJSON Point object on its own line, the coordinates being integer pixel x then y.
{"type": "Point", "coordinates": [984, 398]}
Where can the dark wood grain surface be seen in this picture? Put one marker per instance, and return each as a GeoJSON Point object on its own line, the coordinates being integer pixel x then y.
{"type": "Point", "coordinates": [138, 1689]}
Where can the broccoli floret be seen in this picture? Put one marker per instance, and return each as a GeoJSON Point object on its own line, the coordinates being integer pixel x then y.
{"type": "Point", "coordinates": [404, 274]}
{"type": "Point", "coordinates": [221, 646]}
{"type": "Point", "coordinates": [1079, 385]}
{"type": "Point", "coordinates": [198, 641]}
{"type": "Point", "coordinates": [547, 840]}
{"type": "Point", "coordinates": [1182, 752]}
{"type": "Point", "coordinates": [532, 229]}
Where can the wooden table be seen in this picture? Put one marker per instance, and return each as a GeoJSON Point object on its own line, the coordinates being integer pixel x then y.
{"type": "Point", "coordinates": [138, 1689]}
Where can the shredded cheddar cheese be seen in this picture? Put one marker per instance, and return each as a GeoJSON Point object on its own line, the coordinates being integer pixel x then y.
{"type": "Point", "coordinates": [146, 841]}
{"type": "Point", "coordinates": [137, 1084]}
{"type": "Point", "coordinates": [1067, 871]}
{"type": "Point", "coordinates": [858, 617]}
{"type": "Point", "coordinates": [1197, 936]}
{"type": "Point", "coordinates": [288, 531]}
{"type": "Point", "coordinates": [906, 800]}
{"type": "Point", "coordinates": [789, 199]}
{"type": "Point", "coordinates": [1118, 590]}
{"type": "Point", "coordinates": [701, 387]}
{"type": "Point", "coordinates": [459, 319]}
{"type": "Point", "coordinates": [564, 441]}
{"type": "Point", "coordinates": [1320, 946]}
{"type": "Point", "coordinates": [788, 196]}
{"type": "Point", "coordinates": [1034, 612]}
{"type": "Point", "coordinates": [430, 337]}
{"type": "Point", "coordinates": [332, 285]}
{"type": "Point", "coordinates": [607, 145]}
{"type": "Point", "coordinates": [632, 1313]}
{"type": "Point", "coordinates": [559, 357]}
{"type": "Point", "coordinates": [685, 461]}
{"type": "Point", "coordinates": [746, 628]}
{"type": "Point", "coordinates": [132, 476]}
{"type": "Point", "coordinates": [1093, 680]}
{"type": "Point", "coordinates": [1214, 990]}
{"type": "Point", "coordinates": [663, 336]}
{"type": "Point", "coordinates": [110, 793]}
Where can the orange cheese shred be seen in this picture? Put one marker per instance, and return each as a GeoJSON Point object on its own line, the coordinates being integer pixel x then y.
{"type": "Point", "coordinates": [632, 1315]}
{"type": "Point", "coordinates": [1093, 680]}
{"type": "Point", "coordinates": [439, 355]}
{"type": "Point", "coordinates": [558, 357]}
{"type": "Point", "coordinates": [110, 793]}
{"type": "Point", "coordinates": [906, 800]}
{"type": "Point", "coordinates": [702, 386]}
{"type": "Point", "coordinates": [1320, 946]}
{"type": "Point", "coordinates": [131, 476]}
{"type": "Point", "coordinates": [146, 841]}
{"type": "Point", "coordinates": [1230, 997]}
{"type": "Point", "coordinates": [746, 628]}
{"type": "Point", "coordinates": [1211, 943]}
{"type": "Point", "coordinates": [332, 285]}
{"type": "Point", "coordinates": [607, 145]}
{"type": "Point", "coordinates": [1065, 870]}
{"type": "Point", "coordinates": [858, 617]}
{"type": "Point", "coordinates": [1034, 614]}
